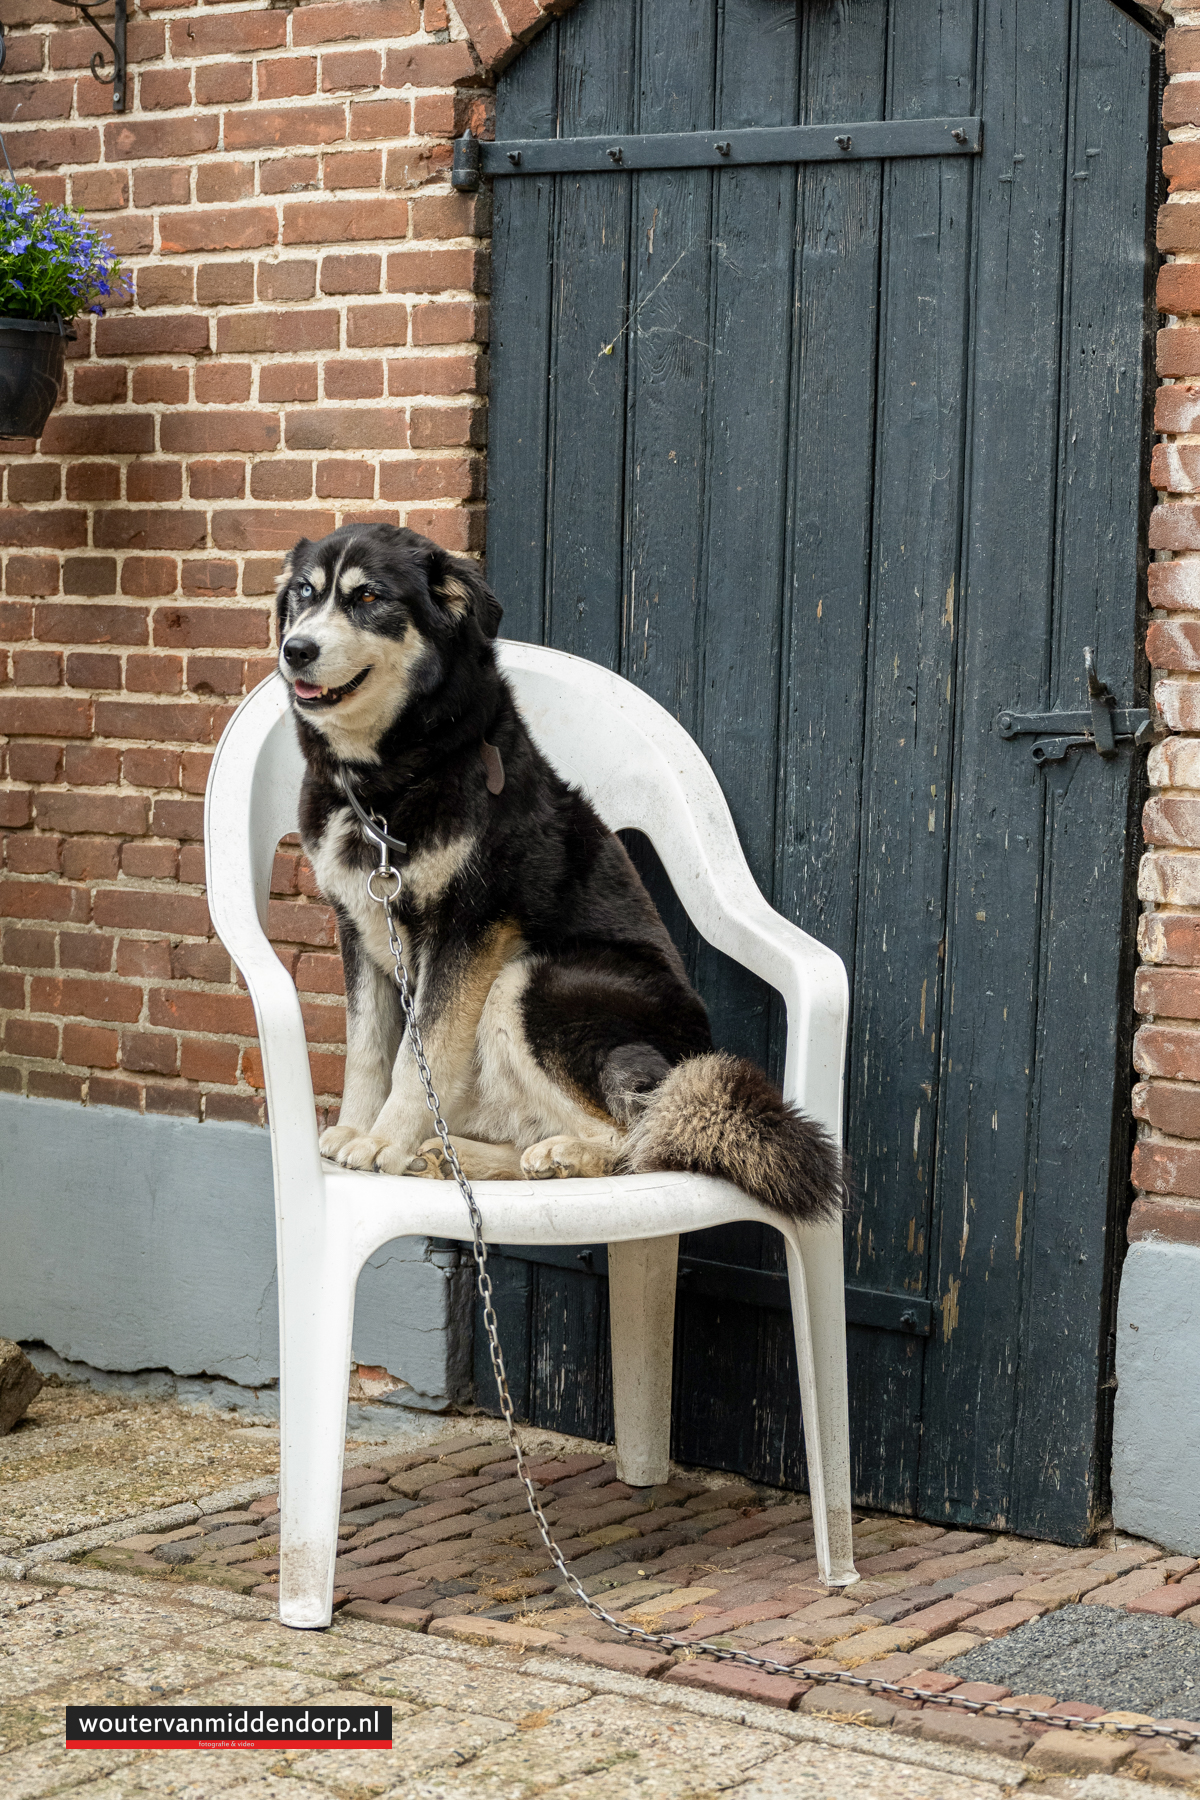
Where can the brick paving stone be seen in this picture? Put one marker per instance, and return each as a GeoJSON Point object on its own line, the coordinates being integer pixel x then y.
{"type": "Point", "coordinates": [623, 1657]}
{"type": "Point", "coordinates": [889, 1560]}
{"type": "Point", "coordinates": [597, 1477]}
{"type": "Point", "coordinates": [833, 1607]}
{"type": "Point", "coordinates": [1078, 1753]}
{"type": "Point", "coordinates": [1191, 1616]}
{"type": "Point", "coordinates": [935, 1567]}
{"type": "Point", "coordinates": [362, 1477]}
{"type": "Point", "coordinates": [870, 1644]}
{"type": "Point", "coordinates": [998, 1621]}
{"type": "Point", "coordinates": [788, 1652]}
{"type": "Point", "coordinates": [944, 1616]}
{"type": "Point", "coordinates": [1072, 1709]}
{"type": "Point", "coordinates": [980, 1690]}
{"type": "Point", "coordinates": [848, 1703]}
{"type": "Point", "coordinates": [993, 1593]}
{"type": "Point", "coordinates": [1163, 1763]}
{"type": "Point", "coordinates": [368, 1495]}
{"type": "Point", "coordinates": [900, 1666]}
{"type": "Point", "coordinates": [930, 1681]}
{"type": "Point", "coordinates": [1167, 1602]}
{"type": "Point", "coordinates": [741, 1684]}
{"type": "Point", "coordinates": [1126, 1557]}
{"type": "Point", "coordinates": [403, 1618]}
{"type": "Point", "coordinates": [1065, 1589]}
{"type": "Point", "coordinates": [732, 1621]}
{"type": "Point", "coordinates": [945, 1649]}
{"type": "Point", "coordinates": [490, 1631]}
{"type": "Point", "coordinates": [1127, 1587]}
{"type": "Point", "coordinates": [965, 1731]}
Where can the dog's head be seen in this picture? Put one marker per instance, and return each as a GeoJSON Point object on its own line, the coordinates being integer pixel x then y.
{"type": "Point", "coordinates": [369, 617]}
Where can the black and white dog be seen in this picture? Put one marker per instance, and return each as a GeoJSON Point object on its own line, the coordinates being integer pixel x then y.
{"type": "Point", "coordinates": [561, 1029]}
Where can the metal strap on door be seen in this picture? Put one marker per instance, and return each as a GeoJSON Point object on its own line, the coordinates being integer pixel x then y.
{"type": "Point", "coordinates": [622, 154]}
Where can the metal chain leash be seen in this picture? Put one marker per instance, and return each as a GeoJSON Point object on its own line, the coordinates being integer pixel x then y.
{"type": "Point", "coordinates": [659, 1640]}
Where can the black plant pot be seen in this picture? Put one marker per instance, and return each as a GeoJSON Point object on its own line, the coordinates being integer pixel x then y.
{"type": "Point", "coordinates": [31, 372]}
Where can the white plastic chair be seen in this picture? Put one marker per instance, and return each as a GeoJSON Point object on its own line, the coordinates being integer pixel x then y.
{"type": "Point", "coordinates": [641, 771]}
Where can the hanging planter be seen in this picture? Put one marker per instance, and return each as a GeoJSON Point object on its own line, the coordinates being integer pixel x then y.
{"type": "Point", "coordinates": [53, 264]}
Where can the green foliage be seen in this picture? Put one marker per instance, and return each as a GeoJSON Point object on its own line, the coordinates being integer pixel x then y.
{"type": "Point", "coordinates": [52, 259]}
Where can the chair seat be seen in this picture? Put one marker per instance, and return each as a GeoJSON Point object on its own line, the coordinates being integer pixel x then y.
{"type": "Point", "coordinates": [609, 1210]}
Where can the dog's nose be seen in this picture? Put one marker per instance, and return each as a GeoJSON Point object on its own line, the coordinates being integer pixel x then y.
{"type": "Point", "coordinates": [298, 652]}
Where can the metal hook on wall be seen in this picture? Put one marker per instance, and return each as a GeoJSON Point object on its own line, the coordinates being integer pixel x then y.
{"type": "Point", "coordinates": [116, 45]}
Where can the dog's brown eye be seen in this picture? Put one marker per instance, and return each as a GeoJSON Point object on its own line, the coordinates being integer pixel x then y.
{"type": "Point", "coordinates": [367, 599]}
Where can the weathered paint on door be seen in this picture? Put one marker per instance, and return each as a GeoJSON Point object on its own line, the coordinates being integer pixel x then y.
{"type": "Point", "coordinates": [838, 461]}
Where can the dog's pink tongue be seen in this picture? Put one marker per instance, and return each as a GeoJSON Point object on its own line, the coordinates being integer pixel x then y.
{"type": "Point", "coordinates": [306, 690]}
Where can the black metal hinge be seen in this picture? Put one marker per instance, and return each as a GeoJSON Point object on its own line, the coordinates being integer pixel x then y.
{"type": "Point", "coordinates": [1101, 728]}
{"type": "Point", "coordinates": [869, 139]}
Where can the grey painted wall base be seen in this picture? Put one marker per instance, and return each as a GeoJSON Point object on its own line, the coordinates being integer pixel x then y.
{"type": "Point", "coordinates": [1156, 1440]}
{"type": "Point", "coordinates": [149, 1243]}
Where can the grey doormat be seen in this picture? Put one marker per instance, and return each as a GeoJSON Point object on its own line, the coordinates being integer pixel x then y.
{"type": "Point", "coordinates": [1127, 1661]}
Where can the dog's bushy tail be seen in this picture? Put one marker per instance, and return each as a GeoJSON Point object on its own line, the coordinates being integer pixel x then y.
{"type": "Point", "coordinates": [719, 1115]}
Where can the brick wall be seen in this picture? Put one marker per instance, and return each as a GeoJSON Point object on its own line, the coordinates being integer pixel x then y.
{"type": "Point", "coordinates": [1166, 1099]}
{"type": "Point", "coordinates": [304, 345]}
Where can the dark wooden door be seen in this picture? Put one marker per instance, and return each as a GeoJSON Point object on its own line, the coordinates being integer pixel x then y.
{"type": "Point", "coordinates": [837, 461]}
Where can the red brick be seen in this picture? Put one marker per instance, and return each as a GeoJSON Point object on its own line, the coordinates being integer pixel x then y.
{"type": "Point", "coordinates": [1172, 1051]}
{"type": "Point", "coordinates": [454, 374]}
{"type": "Point", "coordinates": [345, 428]}
{"type": "Point", "coordinates": [55, 148]}
{"type": "Point", "coordinates": [151, 909]}
{"type": "Point", "coordinates": [490, 35]}
{"type": "Point", "coordinates": [130, 529]}
{"type": "Point", "coordinates": [154, 674]}
{"type": "Point", "coordinates": [300, 922]}
{"type": "Point", "coordinates": [93, 481]}
{"type": "Point", "coordinates": [154, 481]}
{"type": "Point", "coordinates": [182, 1102]}
{"type": "Point", "coordinates": [103, 1092]}
{"type": "Point", "coordinates": [149, 576]}
{"type": "Point", "coordinates": [134, 719]}
{"type": "Point", "coordinates": [207, 578]}
{"type": "Point", "coordinates": [345, 69]}
{"type": "Point", "coordinates": [251, 332]}
{"type": "Point", "coordinates": [223, 84]}
{"type": "Point", "coordinates": [623, 1657]}
{"type": "Point", "coordinates": [149, 1052]}
{"type": "Point", "coordinates": [187, 1010]}
{"type": "Point", "coordinates": [222, 284]}
{"type": "Point", "coordinates": [180, 818]}
{"type": "Point", "coordinates": [211, 627]}
{"type": "Point", "coordinates": [1175, 1220]}
{"type": "Point", "coordinates": [43, 901]}
{"type": "Point", "coordinates": [434, 426]}
{"type": "Point", "coordinates": [222, 228]}
{"type": "Point", "coordinates": [317, 974]}
{"type": "Point", "coordinates": [89, 387]}
{"type": "Point", "coordinates": [90, 1046]}
{"type": "Point", "coordinates": [998, 1621]}
{"type": "Point", "coordinates": [161, 89]}
{"type": "Point", "coordinates": [348, 275]}
{"type": "Point", "coordinates": [344, 221]}
{"type": "Point", "coordinates": [142, 956]}
{"type": "Point", "coordinates": [170, 386]}
{"type": "Point", "coordinates": [30, 1037]}
{"type": "Point", "coordinates": [227, 34]}
{"type": "Point", "coordinates": [1179, 283]}
{"type": "Point", "coordinates": [37, 668]}
{"type": "Point", "coordinates": [1170, 993]}
{"type": "Point", "coordinates": [16, 807]}
{"type": "Point", "coordinates": [91, 765]}
{"type": "Point", "coordinates": [429, 478]}
{"type": "Point", "coordinates": [63, 623]}
{"type": "Point", "coordinates": [150, 862]}
{"type": "Point", "coordinates": [371, 19]}
{"type": "Point", "coordinates": [281, 480]}
{"type": "Point", "coordinates": [1183, 51]}
{"type": "Point", "coordinates": [360, 379]}
{"type": "Point", "coordinates": [161, 187]}
{"type": "Point", "coordinates": [1167, 1168]}
{"type": "Point", "coordinates": [35, 575]}
{"type": "Point", "coordinates": [289, 174]}
{"type": "Point", "coordinates": [224, 181]}
{"type": "Point", "coordinates": [741, 1684]}
{"type": "Point", "coordinates": [119, 814]}
{"type": "Point", "coordinates": [151, 768]}
{"type": "Point", "coordinates": [216, 480]}
{"type": "Point", "coordinates": [242, 1108]}
{"type": "Point", "coordinates": [391, 118]}
{"type": "Point", "coordinates": [133, 140]}
{"type": "Point", "coordinates": [283, 77]}
{"type": "Point", "coordinates": [37, 854]}
{"type": "Point", "coordinates": [34, 762]}
{"type": "Point", "coordinates": [268, 529]}
{"type": "Point", "coordinates": [99, 434]}
{"type": "Point", "coordinates": [451, 527]}
{"type": "Point", "coordinates": [58, 530]}
{"type": "Point", "coordinates": [91, 859]}
{"type": "Point", "coordinates": [264, 127]}
{"type": "Point", "coordinates": [111, 1001]}
{"type": "Point", "coordinates": [423, 65]}
{"type": "Point", "coordinates": [449, 322]}
{"type": "Point", "coordinates": [345, 481]}
{"type": "Point", "coordinates": [349, 169]}
{"type": "Point", "coordinates": [1181, 103]}
{"type": "Point", "coordinates": [292, 280]}
{"type": "Point", "coordinates": [45, 716]}
{"type": "Point", "coordinates": [1167, 1602]}
{"type": "Point", "coordinates": [21, 102]}
{"type": "Point", "coordinates": [223, 381]}
{"type": "Point", "coordinates": [373, 327]}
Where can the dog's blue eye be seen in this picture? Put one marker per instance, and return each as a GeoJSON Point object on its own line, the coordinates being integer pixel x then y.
{"type": "Point", "coordinates": [306, 590]}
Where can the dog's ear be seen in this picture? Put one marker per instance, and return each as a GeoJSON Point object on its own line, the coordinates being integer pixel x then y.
{"type": "Point", "coordinates": [458, 585]}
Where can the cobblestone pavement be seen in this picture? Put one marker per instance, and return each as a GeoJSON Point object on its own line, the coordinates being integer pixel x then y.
{"type": "Point", "coordinates": [439, 1557]}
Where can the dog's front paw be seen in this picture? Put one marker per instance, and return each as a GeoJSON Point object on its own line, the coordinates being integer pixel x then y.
{"type": "Point", "coordinates": [430, 1162]}
{"type": "Point", "coordinates": [360, 1152]}
{"type": "Point", "coordinates": [333, 1138]}
{"type": "Point", "coordinates": [393, 1159]}
{"type": "Point", "coordinates": [558, 1158]}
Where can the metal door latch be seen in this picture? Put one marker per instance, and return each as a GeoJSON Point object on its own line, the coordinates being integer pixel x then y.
{"type": "Point", "coordinates": [1101, 728]}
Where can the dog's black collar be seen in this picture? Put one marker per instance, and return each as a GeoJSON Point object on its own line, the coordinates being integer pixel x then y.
{"type": "Point", "coordinates": [368, 821]}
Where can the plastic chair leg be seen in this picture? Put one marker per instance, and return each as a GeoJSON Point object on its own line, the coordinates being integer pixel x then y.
{"type": "Point", "coordinates": [816, 1280]}
{"type": "Point", "coordinates": [641, 1305]}
{"type": "Point", "coordinates": [316, 1314]}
